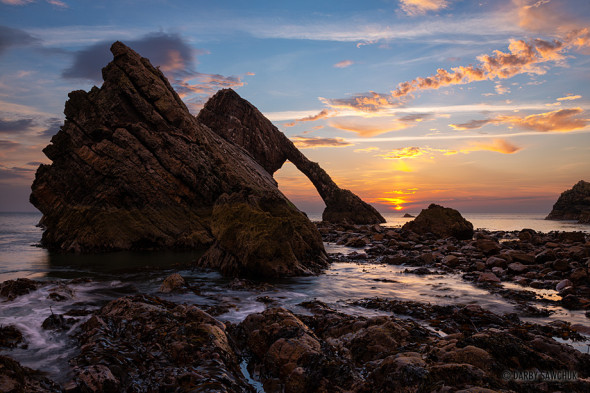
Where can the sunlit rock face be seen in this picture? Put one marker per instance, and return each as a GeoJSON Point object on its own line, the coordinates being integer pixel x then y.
{"type": "Point", "coordinates": [573, 204]}
{"type": "Point", "coordinates": [133, 169]}
{"type": "Point", "coordinates": [239, 122]}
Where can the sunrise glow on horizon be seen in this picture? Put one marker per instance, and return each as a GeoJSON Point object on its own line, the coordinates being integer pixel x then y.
{"type": "Point", "coordinates": [481, 106]}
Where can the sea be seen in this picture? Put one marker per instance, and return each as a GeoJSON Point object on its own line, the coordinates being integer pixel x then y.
{"type": "Point", "coordinates": [104, 277]}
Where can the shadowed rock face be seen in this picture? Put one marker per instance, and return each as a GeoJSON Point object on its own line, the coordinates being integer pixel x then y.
{"type": "Point", "coordinates": [238, 121]}
{"type": "Point", "coordinates": [133, 169]}
{"type": "Point", "coordinates": [573, 204]}
{"type": "Point", "coordinates": [441, 221]}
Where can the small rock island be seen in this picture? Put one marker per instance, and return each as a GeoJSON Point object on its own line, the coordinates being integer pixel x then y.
{"type": "Point", "coordinates": [573, 204]}
{"type": "Point", "coordinates": [132, 169]}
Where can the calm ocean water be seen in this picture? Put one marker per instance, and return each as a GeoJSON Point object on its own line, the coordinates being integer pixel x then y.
{"type": "Point", "coordinates": [21, 257]}
{"type": "Point", "coordinates": [118, 274]}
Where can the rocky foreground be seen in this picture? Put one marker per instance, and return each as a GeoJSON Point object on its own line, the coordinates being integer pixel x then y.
{"type": "Point", "coordinates": [144, 343]}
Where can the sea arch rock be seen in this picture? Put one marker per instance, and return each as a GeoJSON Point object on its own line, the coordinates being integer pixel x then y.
{"type": "Point", "coordinates": [133, 169]}
{"type": "Point", "coordinates": [239, 122]}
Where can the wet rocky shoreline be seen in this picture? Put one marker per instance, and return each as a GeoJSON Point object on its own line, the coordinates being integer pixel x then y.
{"type": "Point", "coordinates": [145, 343]}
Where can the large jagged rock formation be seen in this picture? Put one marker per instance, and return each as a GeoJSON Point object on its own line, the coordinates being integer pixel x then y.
{"type": "Point", "coordinates": [133, 169]}
{"type": "Point", "coordinates": [238, 121]}
{"type": "Point", "coordinates": [573, 204]}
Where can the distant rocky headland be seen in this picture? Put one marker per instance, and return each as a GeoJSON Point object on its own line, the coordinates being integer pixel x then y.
{"type": "Point", "coordinates": [133, 169]}
{"type": "Point", "coordinates": [573, 204]}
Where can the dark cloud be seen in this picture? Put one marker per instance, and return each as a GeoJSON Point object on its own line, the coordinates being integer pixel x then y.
{"type": "Point", "coordinates": [34, 163]}
{"type": "Point", "coordinates": [10, 37]}
{"type": "Point", "coordinates": [471, 125]}
{"type": "Point", "coordinates": [15, 173]}
{"type": "Point", "coordinates": [169, 51]}
{"type": "Point", "coordinates": [415, 117]}
{"type": "Point", "coordinates": [7, 145]}
{"type": "Point", "coordinates": [53, 126]}
{"type": "Point", "coordinates": [14, 126]}
{"type": "Point", "coordinates": [174, 56]}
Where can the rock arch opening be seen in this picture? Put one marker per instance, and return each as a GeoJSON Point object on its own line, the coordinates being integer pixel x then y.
{"type": "Point", "coordinates": [238, 121]}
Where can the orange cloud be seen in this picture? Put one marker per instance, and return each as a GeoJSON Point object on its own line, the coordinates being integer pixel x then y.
{"type": "Point", "coordinates": [303, 142]}
{"type": "Point", "coordinates": [562, 120]}
{"type": "Point", "coordinates": [323, 114]}
{"type": "Point", "coordinates": [369, 127]}
{"type": "Point", "coordinates": [569, 97]}
{"type": "Point", "coordinates": [366, 150]}
{"type": "Point", "coordinates": [403, 153]}
{"type": "Point", "coordinates": [522, 57]}
{"type": "Point", "coordinates": [421, 7]}
{"type": "Point", "coordinates": [344, 64]}
{"type": "Point", "coordinates": [496, 145]}
{"type": "Point", "coordinates": [366, 102]}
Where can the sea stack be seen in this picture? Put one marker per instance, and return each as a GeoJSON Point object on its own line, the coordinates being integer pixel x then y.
{"type": "Point", "coordinates": [133, 169]}
{"type": "Point", "coordinates": [573, 204]}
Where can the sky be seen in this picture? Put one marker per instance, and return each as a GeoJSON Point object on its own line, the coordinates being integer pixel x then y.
{"type": "Point", "coordinates": [483, 106]}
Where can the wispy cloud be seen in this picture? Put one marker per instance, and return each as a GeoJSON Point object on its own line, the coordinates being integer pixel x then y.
{"type": "Point", "coordinates": [421, 7]}
{"type": "Point", "coordinates": [369, 127]}
{"type": "Point", "coordinates": [56, 3]}
{"type": "Point", "coordinates": [303, 142]}
{"type": "Point", "coordinates": [16, 2]}
{"type": "Point", "coordinates": [496, 145]}
{"type": "Point", "coordinates": [370, 31]}
{"type": "Point", "coordinates": [10, 37]}
{"type": "Point", "coordinates": [365, 102]}
{"type": "Point", "coordinates": [547, 16]}
{"type": "Point", "coordinates": [344, 64]}
{"type": "Point", "coordinates": [366, 149]}
{"type": "Point", "coordinates": [562, 120]}
{"type": "Point", "coordinates": [569, 97]}
{"type": "Point", "coordinates": [15, 126]}
{"type": "Point", "coordinates": [441, 110]}
{"type": "Point", "coordinates": [412, 152]}
{"type": "Point", "coordinates": [321, 115]}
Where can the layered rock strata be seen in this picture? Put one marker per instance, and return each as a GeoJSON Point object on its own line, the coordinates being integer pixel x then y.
{"type": "Point", "coordinates": [573, 204]}
{"type": "Point", "coordinates": [133, 169]}
{"type": "Point", "coordinates": [239, 122]}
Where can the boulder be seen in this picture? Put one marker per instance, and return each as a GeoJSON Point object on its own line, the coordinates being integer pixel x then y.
{"type": "Point", "coordinates": [573, 204]}
{"type": "Point", "coordinates": [488, 246]}
{"type": "Point", "coordinates": [11, 289]}
{"type": "Point", "coordinates": [10, 336]}
{"type": "Point", "coordinates": [133, 169]}
{"type": "Point", "coordinates": [172, 283]}
{"type": "Point", "coordinates": [441, 221]}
